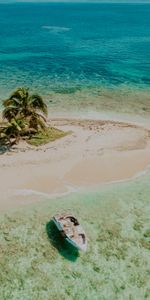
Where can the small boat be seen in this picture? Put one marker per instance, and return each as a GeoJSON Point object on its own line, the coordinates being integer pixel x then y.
{"type": "Point", "coordinates": [71, 230]}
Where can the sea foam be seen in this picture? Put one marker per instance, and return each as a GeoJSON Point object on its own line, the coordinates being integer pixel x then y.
{"type": "Point", "coordinates": [56, 29]}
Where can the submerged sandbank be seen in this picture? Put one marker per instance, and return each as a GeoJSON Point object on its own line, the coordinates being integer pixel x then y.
{"type": "Point", "coordinates": [116, 264]}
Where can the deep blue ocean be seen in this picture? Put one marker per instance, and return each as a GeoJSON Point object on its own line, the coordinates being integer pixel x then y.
{"type": "Point", "coordinates": [67, 47]}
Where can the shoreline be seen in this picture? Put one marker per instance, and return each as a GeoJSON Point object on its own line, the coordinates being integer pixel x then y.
{"type": "Point", "coordinates": [84, 159]}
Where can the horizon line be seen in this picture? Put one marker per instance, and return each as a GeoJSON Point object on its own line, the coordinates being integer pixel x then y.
{"type": "Point", "coordinates": [129, 2]}
{"type": "Point", "coordinates": [75, 1]}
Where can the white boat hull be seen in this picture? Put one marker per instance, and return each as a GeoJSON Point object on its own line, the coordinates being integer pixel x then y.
{"type": "Point", "coordinates": [82, 247]}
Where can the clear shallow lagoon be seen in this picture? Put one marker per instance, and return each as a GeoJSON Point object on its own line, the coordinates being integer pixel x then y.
{"type": "Point", "coordinates": [64, 48]}
{"type": "Point", "coordinates": [116, 265]}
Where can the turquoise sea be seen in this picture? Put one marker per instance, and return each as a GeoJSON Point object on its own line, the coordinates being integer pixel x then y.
{"type": "Point", "coordinates": [79, 55]}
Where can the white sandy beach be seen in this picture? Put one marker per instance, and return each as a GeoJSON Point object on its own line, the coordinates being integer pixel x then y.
{"type": "Point", "coordinates": [95, 152]}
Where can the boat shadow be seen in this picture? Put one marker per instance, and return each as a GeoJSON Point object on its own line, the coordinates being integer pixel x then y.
{"type": "Point", "coordinates": [64, 248]}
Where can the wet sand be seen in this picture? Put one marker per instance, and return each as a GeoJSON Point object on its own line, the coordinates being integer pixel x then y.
{"type": "Point", "coordinates": [94, 153]}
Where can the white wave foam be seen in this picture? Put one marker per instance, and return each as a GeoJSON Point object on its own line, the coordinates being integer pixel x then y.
{"type": "Point", "coordinates": [56, 29]}
{"type": "Point", "coordinates": [30, 192]}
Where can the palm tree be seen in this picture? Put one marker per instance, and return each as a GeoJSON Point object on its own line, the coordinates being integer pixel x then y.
{"type": "Point", "coordinates": [23, 105]}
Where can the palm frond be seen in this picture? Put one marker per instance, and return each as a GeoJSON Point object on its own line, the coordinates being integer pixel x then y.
{"type": "Point", "coordinates": [37, 102]}
{"type": "Point", "coordinates": [13, 101]}
{"type": "Point", "coordinates": [40, 115]}
{"type": "Point", "coordinates": [9, 112]}
{"type": "Point", "coordinates": [20, 94]}
{"type": "Point", "coordinates": [37, 120]}
{"type": "Point", "coordinates": [15, 123]}
{"type": "Point", "coordinates": [7, 102]}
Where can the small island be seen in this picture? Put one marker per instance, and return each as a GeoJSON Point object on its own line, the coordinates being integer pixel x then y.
{"type": "Point", "coordinates": [25, 118]}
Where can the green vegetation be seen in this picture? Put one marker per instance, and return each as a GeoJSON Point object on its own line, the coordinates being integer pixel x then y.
{"type": "Point", "coordinates": [26, 116]}
{"type": "Point", "coordinates": [49, 135]}
{"type": "Point", "coordinates": [36, 263]}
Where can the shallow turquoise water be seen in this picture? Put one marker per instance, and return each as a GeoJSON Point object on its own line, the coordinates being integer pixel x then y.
{"type": "Point", "coordinates": [37, 265]}
{"type": "Point", "coordinates": [69, 47]}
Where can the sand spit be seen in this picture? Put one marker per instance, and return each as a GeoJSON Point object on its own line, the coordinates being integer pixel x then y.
{"type": "Point", "coordinates": [95, 152]}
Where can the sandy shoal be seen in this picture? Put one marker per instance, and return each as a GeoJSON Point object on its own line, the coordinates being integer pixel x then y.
{"type": "Point", "coordinates": [95, 152]}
